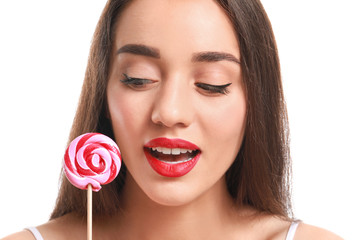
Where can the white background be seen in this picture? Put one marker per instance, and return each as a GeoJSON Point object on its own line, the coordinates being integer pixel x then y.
{"type": "Point", "coordinates": [43, 53]}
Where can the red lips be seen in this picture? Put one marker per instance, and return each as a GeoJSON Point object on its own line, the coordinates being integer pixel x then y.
{"type": "Point", "coordinates": [171, 157]}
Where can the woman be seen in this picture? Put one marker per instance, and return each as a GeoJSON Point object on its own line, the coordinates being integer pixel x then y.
{"type": "Point", "coordinates": [191, 93]}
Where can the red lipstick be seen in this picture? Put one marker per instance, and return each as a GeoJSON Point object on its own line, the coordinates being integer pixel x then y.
{"type": "Point", "coordinates": [171, 157]}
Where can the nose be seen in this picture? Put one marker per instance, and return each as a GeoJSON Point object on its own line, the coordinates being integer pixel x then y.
{"type": "Point", "coordinates": [172, 106]}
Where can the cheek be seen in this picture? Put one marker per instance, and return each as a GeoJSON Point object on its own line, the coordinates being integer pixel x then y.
{"type": "Point", "coordinates": [129, 118]}
{"type": "Point", "coordinates": [227, 120]}
{"type": "Point", "coordinates": [233, 121]}
{"type": "Point", "coordinates": [225, 129]}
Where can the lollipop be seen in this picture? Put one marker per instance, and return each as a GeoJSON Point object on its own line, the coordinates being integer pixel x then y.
{"type": "Point", "coordinates": [91, 160]}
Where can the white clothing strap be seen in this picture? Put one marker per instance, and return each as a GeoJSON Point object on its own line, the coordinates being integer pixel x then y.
{"type": "Point", "coordinates": [292, 230]}
{"type": "Point", "coordinates": [35, 232]}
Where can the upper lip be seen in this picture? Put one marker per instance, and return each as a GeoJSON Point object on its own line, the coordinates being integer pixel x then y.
{"type": "Point", "coordinates": [171, 143]}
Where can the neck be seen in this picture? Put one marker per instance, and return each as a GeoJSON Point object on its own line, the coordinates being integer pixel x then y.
{"type": "Point", "coordinates": [203, 218]}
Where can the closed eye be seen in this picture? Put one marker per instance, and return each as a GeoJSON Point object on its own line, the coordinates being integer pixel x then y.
{"type": "Point", "coordinates": [136, 83]}
{"type": "Point", "coordinates": [214, 89]}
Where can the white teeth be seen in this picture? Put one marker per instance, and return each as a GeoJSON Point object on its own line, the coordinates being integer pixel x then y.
{"type": "Point", "coordinates": [176, 151]}
{"type": "Point", "coordinates": [176, 162]}
{"type": "Point", "coordinates": [184, 150]}
{"type": "Point", "coordinates": [166, 150]}
{"type": "Point", "coordinates": [173, 151]}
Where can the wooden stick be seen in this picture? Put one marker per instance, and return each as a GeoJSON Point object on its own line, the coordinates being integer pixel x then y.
{"type": "Point", "coordinates": [89, 212]}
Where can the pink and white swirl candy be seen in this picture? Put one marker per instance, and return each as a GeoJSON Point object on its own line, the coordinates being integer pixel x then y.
{"type": "Point", "coordinates": [92, 158]}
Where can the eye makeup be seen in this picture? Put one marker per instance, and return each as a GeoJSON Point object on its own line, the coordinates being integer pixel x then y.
{"type": "Point", "coordinates": [222, 89]}
{"type": "Point", "coordinates": [138, 83]}
{"type": "Point", "coordinates": [135, 82]}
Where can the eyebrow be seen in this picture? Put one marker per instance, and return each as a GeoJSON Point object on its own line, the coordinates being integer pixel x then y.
{"type": "Point", "coordinates": [140, 49]}
{"type": "Point", "coordinates": [214, 57]}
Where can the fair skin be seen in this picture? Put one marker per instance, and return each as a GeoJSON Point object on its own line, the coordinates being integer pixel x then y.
{"type": "Point", "coordinates": [179, 98]}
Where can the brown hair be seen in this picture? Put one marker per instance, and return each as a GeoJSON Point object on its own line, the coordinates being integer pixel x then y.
{"type": "Point", "coordinates": [260, 174]}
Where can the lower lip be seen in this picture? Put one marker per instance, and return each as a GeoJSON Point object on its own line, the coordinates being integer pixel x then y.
{"type": "Point", "coordinates": [171, 169]}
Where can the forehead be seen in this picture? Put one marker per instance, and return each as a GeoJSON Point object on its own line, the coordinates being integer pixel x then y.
{"type": "Point", "coordinates": [200, 25]}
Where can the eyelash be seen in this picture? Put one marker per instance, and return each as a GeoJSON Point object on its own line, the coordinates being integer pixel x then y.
{"type": "Point", "coordinates": [211, 89]}
{"type": "Point", "coordinates": [222, 89]}
{"type": "Point", "coordinates": [135, 82]}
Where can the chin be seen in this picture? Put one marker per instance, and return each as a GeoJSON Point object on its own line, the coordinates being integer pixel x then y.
{"type": "Point", "coordinates": [172, 194]}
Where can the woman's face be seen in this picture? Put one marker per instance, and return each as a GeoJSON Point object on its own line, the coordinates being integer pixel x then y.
{"type": "Point", "coordinates": [175, 98]}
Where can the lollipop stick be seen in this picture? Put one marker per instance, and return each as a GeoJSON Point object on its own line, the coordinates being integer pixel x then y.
{"type": "Point", "coordinates": [89, 212]}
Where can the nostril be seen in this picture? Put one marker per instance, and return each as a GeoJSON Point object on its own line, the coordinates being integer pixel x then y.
{"type": "Point", "coordinates": [170, 116]}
